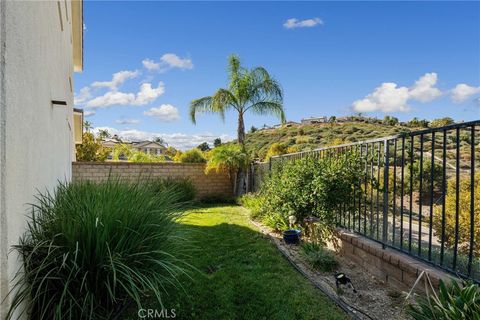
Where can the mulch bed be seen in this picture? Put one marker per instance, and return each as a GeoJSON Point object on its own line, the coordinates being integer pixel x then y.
{"type": "Point", "coordinates": [374, 298]}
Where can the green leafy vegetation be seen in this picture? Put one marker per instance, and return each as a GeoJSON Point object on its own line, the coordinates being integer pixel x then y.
{"type": "Point", "coordinates": [243, 275]}
{"type": "Point", "coordinates": [318, 256]}
{"type": "Point", "coordinates": [268, 142]}
{"type": "Point", "coordinates": [452, 302]}
{"type": "Point", "coordinates": [191, 156]}
{"type": "Point", "coordinates": [304, 188]}
{"type": "Point", "coordinates": [464, 215]}
{"type": "Point", "coordinates": [91, 149]}
{"type": "Point", "coordinates": [93, 249]}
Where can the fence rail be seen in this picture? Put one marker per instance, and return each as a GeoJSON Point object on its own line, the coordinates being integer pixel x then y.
{"type": "Point", "coordinates": [418, 193]}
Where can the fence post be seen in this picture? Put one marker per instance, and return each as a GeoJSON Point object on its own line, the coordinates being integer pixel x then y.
{"type": "Point", "coordinates": [385, 192]}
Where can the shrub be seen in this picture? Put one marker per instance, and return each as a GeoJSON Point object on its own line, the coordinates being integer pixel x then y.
{"type": "Point", "coordinates": [453, 302]}
{"type": "Point", "coordinates": [426, 175]}
{"type": "Point", "coordinates": [318, 256]}
{"type": "Point", "coordinates": [228, 158]}
{"type": "Point", "coordinates": [191, 156]}
{"type": "Point", "coordinates": [308, 187]}
{"type": "Point", "coordinates": [91, 250]}
{"type": "Point", "coordinates": [464, 215]}
{"type": "Point", "coordinates": [275, 150]}
{"type": "Point", "coordinates": [252, 202]}
{"type": "Point", "coordinates": [91, 149]}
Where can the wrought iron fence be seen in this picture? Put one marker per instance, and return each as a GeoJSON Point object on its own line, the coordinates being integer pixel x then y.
{"type": "Point", "coordinates": [418, 193]}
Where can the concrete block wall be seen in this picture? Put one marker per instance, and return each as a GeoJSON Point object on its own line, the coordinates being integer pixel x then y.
{"type": "Point", "coordinates": [389, 265]}
{"type": "Point", "coordinates": [212, 184]}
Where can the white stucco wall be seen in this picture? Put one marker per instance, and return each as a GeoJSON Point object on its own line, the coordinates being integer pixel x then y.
{"type": "Point", "coordinates": [35, 136]}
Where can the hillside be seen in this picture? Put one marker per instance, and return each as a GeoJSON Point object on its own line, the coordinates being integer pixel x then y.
{"type": "Point", "coordinates": [298, 137]}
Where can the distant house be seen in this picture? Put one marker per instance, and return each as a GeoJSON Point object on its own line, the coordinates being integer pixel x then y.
{"type": "Point", "coordinates": [313, 120]}
{"type": "Point", "coordinates": [149, 147]}
{"type": "Point", "coordinates": [286, 124]}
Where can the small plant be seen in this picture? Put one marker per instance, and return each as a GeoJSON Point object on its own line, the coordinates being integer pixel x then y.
{"type": "Point", "coordinates": [453, 302]}
{"type": "Point", "coordinates": [91, 250]}
{"type": "Point", "coordinates": [318, 256]}
{"type": "Point", "coordinates": [252, 202]}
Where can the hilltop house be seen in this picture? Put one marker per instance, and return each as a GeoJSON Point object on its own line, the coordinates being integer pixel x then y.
{"type": "Point", "coordinates": [41, 45]}
{"type": "Point", "coordinates": [314, 120]}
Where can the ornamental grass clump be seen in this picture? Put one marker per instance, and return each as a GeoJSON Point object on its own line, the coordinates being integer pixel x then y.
{"type": "Point", "coordinates": [93, 250]}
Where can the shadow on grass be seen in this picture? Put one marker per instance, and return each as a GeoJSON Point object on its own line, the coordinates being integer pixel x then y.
{"type": "Point", "coordinates": [240, 275]}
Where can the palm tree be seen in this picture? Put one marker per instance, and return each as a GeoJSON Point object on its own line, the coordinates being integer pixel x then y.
{"type": "Point", "coordinates": [251, 90]}
{"type": "Point", "coordinates": [103, 134]}
{"type": "Point", "coordinates": [87, 125]}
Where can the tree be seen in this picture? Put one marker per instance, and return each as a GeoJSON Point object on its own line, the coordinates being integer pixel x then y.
{"type": "Point", "coordinates": [464, 215]}
{"type": "Point", "coordinates": [390, 121]}
{"type": "Point", "coordinates": [441, 122]}
{"type": "Point", "coordinates": [87, 125]}
{"type": "Point", "coordinates": [103, 134]}
{"type": "Point", "coordinates": [160, 140]}
{"type": "Point", "coordinates": [253, 129]}
{"type": "Point", "coordinates": [203, 146]}
{"type": "Point", "coordinates": [332, 119]}
{"type": "Point", "coordinates": [217, 142]}
{"type": "Point", "coordinates": [253, 90]}
{"type": "Point", "coordinates": [228, 158]}
{"type": "Point", "coordinates": [91, 149]}
{"type": "Point", "coordinates": [192, 156]}
{"type": "Point", "coordinates": [170, 151]}
{"type": "Point", "coordinates": [275, 150]}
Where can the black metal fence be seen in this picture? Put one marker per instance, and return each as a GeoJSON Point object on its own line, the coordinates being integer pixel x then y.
{"type": "Point", "coordinates": [418, 193]}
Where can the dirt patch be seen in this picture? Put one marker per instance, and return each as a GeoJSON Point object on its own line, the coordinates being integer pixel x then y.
{"type": "Point", "coordinates": [374, 298]}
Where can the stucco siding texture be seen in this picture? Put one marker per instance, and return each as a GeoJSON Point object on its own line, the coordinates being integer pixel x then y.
{"type": "Point", "coordinates": [211, 184]}
{"type": "Point", "coordinates": [38, 146]}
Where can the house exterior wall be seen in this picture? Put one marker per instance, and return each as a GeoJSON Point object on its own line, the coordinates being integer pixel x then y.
{"type": "Point", "coordinates": [213, 184]}
{"type": "Point", "coordinates": [36, 138]}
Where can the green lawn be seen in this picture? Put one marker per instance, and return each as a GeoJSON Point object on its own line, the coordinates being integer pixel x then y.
{"type": "Point", "coordinates": [241, 275]}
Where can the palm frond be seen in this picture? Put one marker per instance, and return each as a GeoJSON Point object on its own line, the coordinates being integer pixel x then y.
{"type": "Point", "coordinates": [269, 108]}
{"type": "Point", "coordinates": [200, 106]}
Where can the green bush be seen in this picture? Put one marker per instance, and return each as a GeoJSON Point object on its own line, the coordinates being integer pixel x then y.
{"type": "Point", "coordinates": [253, 202]}
{"type": "Point", "coordinates": [183, 187]}
{"type": "Point", "coordinates": [308, 187]}
{"type": "Point", "coordinates": [192, 156]}
{"type": "Point", "coordinates": [453, 302]}
{"type": "Point", "coordinates": [426, 175]}
{"type": "Point", "coordinates": [318, 256]}
{"type": "Point", "coordinates": [91, 250]}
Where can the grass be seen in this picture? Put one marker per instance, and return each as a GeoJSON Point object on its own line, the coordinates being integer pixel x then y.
{"type": "Point", "coordinates": [241, 275]}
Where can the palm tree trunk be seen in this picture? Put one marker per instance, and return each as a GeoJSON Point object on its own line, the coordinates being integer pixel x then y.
{"type": "Point", "coordinates": [241, 130]}
{"type": "Point", "coordinates": [240, 185]}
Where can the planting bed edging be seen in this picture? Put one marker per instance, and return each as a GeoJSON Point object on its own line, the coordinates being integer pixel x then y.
{"type": "Point", "coordinates": [389, 265]}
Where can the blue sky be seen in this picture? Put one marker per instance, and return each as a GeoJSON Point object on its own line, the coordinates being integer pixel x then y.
{"type": "Point", "coordinates": [410, 59]}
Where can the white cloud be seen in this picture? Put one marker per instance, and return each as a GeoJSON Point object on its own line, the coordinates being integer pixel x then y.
{"type": "Point", "coordinates": [150, 64]}
{"type": "Point", "coordinates": [111, 98]}
{"type": "Point", "coordinates": [88, 113]}
{"type": "Point", "coordinates": [178, 140]}
{"type": "Point", "coordinates": [117, 79]}
{"type": "Point", "coordinates": [166, 112]}
{"type": "Point", "coordinates": [127, 121]}
{"type": "Point", "coordinates": [146, 95]}
{"type": "Point", "coordinates": [462, 92]}
{"type": "Point", "coordinates": [424, 88]}
{"type": "Point", "coordinates": [83, 96]}
{"type": "Point", "coordinates": [293, 23]}
{"type": "Point", "coordinates": [168, 61]}
{"type": "Point", "coordinates": [389, 97]}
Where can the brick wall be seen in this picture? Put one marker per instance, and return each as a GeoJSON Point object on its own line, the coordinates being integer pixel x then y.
{"type": "Point", "coordinates": [213, 184]}
{"type": "Point", "coordinates": [389, 265]}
